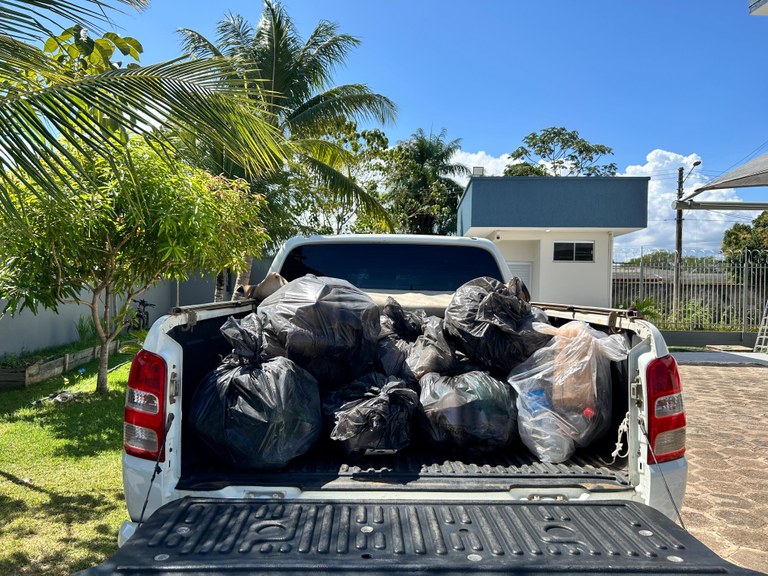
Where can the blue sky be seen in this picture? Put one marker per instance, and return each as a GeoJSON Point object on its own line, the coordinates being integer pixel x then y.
{"type": "Point", "coordinates": [663, 83]}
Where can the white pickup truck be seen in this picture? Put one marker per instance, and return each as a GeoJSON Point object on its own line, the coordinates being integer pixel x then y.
{"type": "Point", "coordinates": [420, 510]}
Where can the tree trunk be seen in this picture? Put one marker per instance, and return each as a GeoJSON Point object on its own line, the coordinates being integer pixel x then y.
{"type": "Point", "coordinates": [244, 276]}
{"type": "Point", "coordinates": [101, 379]}
{"type": "Point", "coordinates": [218, 291]}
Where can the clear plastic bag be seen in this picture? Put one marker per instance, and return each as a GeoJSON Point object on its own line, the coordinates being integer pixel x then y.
{"type": "Point", "coordinates": [564, 390]}
{"type": "Point", "coordinates": [472, 411]}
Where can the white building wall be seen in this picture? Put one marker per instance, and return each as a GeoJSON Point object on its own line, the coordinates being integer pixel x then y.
{"type": "Point", "coordinates": [584, 283]}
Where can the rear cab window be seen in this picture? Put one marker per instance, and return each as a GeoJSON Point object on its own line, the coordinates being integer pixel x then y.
{"type": "Point", "coordinates": [393, 266]}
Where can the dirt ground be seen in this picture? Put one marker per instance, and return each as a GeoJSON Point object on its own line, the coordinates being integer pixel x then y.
{"type": "Point", "coordinates": [726, 503]}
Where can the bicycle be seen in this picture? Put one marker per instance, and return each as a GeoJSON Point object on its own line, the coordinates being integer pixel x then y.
{"type": "Point", "coordinates": [140, 319]}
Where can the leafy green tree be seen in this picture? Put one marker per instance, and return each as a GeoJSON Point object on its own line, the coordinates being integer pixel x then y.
{"type": "Point", "coordinates": [46, 103]}
{"type": "Point", "coordinates": [525, 169]}
{"type": "Point", "coordinates": [561, 152]}
{"type": "Point", "coordinates": [140, 219]}
{"type": "Point", "coordinates": [295, 81]}
{"type": "Point", "coordinates": [742, 237]}
{"type": "Point", "coordinates": [318, 209]}
{"type": "Point", "coordinates": [422, 195]}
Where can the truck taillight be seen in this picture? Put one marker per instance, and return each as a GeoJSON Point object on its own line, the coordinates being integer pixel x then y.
{"type": "Point", "coordinates": [143, 424]}
{"type": "Point", "coordinates": [666, 414]}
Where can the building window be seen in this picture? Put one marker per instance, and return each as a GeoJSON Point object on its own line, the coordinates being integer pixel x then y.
{"type": "Point", "coordinates": [574, 252]}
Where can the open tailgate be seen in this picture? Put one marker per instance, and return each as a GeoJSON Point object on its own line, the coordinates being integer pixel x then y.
{"type": "Point", "coordinates": [215, 536]}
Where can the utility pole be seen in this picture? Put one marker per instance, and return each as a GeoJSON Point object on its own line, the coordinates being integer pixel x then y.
{"type": "Point", "coordinates": [676, 289]}
{"type": "Point", "coordinates": [678, 250]}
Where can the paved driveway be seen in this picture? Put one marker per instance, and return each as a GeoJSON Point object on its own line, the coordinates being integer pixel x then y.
{"type": "Point", "coordinates": [726, 504]}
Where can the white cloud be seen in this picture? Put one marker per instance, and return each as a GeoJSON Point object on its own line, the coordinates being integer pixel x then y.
{"type": "Point", "coordinates": [493, 165]}
{"type": "Point", "coordinates": [702, 229]}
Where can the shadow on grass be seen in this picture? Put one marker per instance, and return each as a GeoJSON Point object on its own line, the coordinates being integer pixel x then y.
{"type": "Point", "coordinates": [66, 510]}
{"type": "Point", "coordinates": [89, 423]}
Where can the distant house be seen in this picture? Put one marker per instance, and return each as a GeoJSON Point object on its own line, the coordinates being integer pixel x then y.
{"type": "Point", "coordinates": [556, 233]}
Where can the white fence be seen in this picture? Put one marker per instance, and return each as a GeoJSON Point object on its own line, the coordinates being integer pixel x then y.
{"type": "Point", "coordinates": [725, 292]}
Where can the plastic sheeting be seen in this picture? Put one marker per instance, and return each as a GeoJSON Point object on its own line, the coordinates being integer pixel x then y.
{"type": "Point", "coordinates": [472, 411]}
{"type": "Point", "coordinates": [492, 323]}
{"type": "Point", "coordinates": [564, 391]}
{"type": "Point", "coordinates": [326, 325]}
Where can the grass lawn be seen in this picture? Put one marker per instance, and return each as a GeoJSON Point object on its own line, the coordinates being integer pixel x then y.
{"type": "Point", "coordinates": [61, 491]}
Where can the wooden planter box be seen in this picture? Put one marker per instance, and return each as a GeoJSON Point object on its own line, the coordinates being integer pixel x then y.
{"type": "Point", "coordinates": [14, 378]}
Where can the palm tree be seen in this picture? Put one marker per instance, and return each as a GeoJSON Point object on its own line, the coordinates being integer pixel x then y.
{"type": "Point", "coordinates": [295, 78]}
{"type": "Point", "coordinates": [43, 110]}
{"type": "Point", "coordinates": [423, 194]}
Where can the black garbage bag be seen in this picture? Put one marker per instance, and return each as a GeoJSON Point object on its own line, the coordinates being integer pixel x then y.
{"type": "Point", "coordinates": [492, 323]}
{"type": "Point", "coordinates": [392, 351]}
{"type": "Point", "coordinates": [406, 325]}
{"type": "Point", "coordinates": [257, 415]}
{"type": "Point", "coordinates": [326, 325]}
{"type": "Point", "coordinates": [564, 390]}
{"type": "Point", "coordinates": [379, 422]}
{"type": "Point", "coordinates": [245, 335]}
{"type": "Point", "coordinates": [432, 352]}
{"type": "Point", "coordinates": [473, 411]}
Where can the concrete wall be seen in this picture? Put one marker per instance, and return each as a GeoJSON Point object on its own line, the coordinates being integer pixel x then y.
{"type": "Point", "coordinates": [27, 332]}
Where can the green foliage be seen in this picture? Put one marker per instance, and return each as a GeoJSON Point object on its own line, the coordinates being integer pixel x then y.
{"type": "Point", "coordinates": [75, 97]}
{"type": "Point", "coordinates": [747, 237]}
{"type": "Point", "coordinates": [143, 219]}
{"type": "Point", "coordinates": [561, 152]}
{"type": "Point", "coordinates": [422, 196]}
{"type": "Point", "coordinates": [76, 51]}
{"type": "Point", "coordinates": [647, 308]}
{"type": "Point", "coordinates": [291, 78]}
{"type": "Point", "coordinates": [86, 329]}
{"type": "Point", "coordinates": [524, 169]}
{"type": "Point", "coordinates": [697, 315]}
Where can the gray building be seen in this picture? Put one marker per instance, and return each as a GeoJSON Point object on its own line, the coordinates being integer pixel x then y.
{"type": "Point", "coordinates": [556, 233]}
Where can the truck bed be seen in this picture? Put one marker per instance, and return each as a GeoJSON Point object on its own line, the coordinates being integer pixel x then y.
{"type": "Point", "coordinates": [420, 466]}
{"type": "Point", "coordinates": [416, 468]}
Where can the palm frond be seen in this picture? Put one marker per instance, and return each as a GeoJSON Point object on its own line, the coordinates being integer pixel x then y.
{"type": "Point", "coordinates": [323, 52]}
{"type": "Point", "coordinates": [196, 44]}
{"type": "Point", "coordinates": [35, 19]}
{"type": "Point", "coordinates": [17, 58]}
{"type": "Point", "coordinates": [275, 45]}
{"type": "Point", "coordinates": [346, 189]}
{"type": "Point", "coordinates": [235, 36]}
{"type": "Point", "coordinates": [170, 95]}
{"type": "Point", "coordinates": [356, 101]}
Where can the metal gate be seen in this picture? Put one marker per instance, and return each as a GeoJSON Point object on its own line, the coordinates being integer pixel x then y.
{"type": "Point", "coordinates": [719, 291]}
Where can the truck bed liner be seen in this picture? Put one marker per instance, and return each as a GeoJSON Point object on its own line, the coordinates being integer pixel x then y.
{"type": "Point", "coordinates": [414, 468]}
{"type": "Point", "coordinates": [204, 536]}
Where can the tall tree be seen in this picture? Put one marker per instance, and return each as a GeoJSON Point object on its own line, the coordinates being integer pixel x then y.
{"type": "Point", "coordinates": [46, 111]}
{"type": "Point", "coordinates": [296, 81]}
{"type": "Point", "coordinates": [747, 237]}
{"type": "Point", "coordinates": [422, 195]}
{"type": "Point", "coordinates": [559, 152]}
{"type": "Point", "coordinates": [141, 219]}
